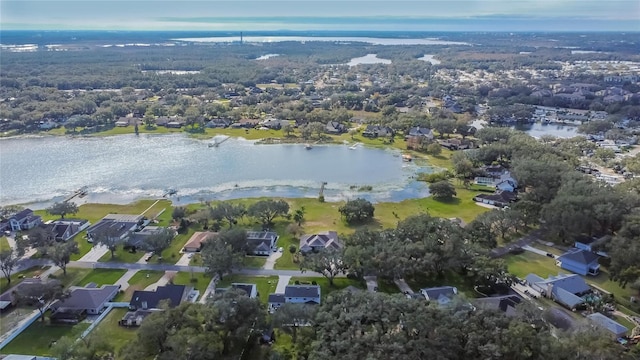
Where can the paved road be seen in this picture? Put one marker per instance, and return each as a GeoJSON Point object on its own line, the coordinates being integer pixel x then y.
{"type": "Point", "coordinates": [523, 241]}
{"type": "Point", "coordinates": [537, 251]}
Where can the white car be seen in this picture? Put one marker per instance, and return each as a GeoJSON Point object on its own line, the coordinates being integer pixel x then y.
{"type": "Point", "coordinates": [280, 249]}
{"type": "Point", "coordinates": [190, 256]}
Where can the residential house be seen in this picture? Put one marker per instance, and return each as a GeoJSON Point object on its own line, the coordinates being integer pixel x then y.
{"type": "Point", "coordinates": [456, 144]}
{"type": "Point", "coordinates": [134, 318]}
{"type": "Point", "coordinates": [116, 226]}
{"type": "Point", "coordinates": [302, 294]}
{"type": "Point", "coordinates": [590, 243]}
{"type": "Point", "coordinates": [565, 289]}
{"type": "Point", "coordinates": [276, 301]}
{"type": "Point", "coordinates": [506, 303]}
{"type": "Point", "coordinates": [174, 124]}
{"type": "Point", "coordinates": [23, 220]}
{"type": "Point", "coordinates": [261, 242]}
{"type": "Point", "coordinates": [250, 289]}
{"type": "Point", "coordinates": [122, 122]}
{"type": "Point", "coordinates": [197, 240]}
{"type": "Point", "coordinates": [336, 128]}
{"type": "Point", "coordinates": [65, 229]}
{"type": "Point", "coordinates": [82, 301]}
{"type": "Point", "coordinates": [275, 124]}
{"type": "Point", "coordinates": [218, 123]}
{"type": "Point", "coordinates": [173, 294]}
{"type": "Point", "coordinates": [579, 261]}
{"type": "Point", "coordinates": [616, 329]}
{"type": "Point", "coordinates": [8, 297]}
{"type": "Point", "coordinates": [138, 238]}
{"type": "Point", "coordinates": [374, 131]}
{"type": "Point", "coordinates": [320, 241]}
{"type": "Point", "coordinates": [443, 295]}
{"type": "Point", "coordinates": [421, 132]}
{"type": "Point", "coordinates": [506, 185]}
{"type": "Point", "coordinates": [499, 199]}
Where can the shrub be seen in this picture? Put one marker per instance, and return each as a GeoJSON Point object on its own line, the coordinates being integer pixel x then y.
{"type": "Point", "coordinates": [435, 177]}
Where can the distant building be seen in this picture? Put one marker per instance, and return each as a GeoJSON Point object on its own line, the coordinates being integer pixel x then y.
{"type": "Point", "coordinates": [23, 220]}
{"type": "Point", "coordinates": [320, 241]}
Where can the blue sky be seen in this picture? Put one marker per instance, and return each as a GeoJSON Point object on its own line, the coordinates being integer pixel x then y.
{"type": "Point", "coordinates": [427, 15]}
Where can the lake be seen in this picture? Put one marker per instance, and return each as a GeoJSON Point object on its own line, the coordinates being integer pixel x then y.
{"type": "Point", "coordinates": [368, 59]}
{"type": "Point", "coordinates": [121, 169]}
{"type": "Point", "coordinates": [346, 39]}
{"type": "Point", "coordinates": [558, 130]}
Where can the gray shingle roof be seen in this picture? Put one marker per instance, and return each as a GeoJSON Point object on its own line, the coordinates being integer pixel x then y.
{"type": "Point", "coordinates": [436, 292]}
{"type": "Point", "coordinates": [608, 324]}
{"type": "Point", "coordinates": [276, 298]}
{"type": "Point", "coordinates": [572, 283]}
{"type": "Point", "coordinates": [87, 297]}
{"type": "Point", "coordinates": [580, 256]}
{"type": "Point", "coordinates": [303, 291]}
{"type": "Point", "coordinates": [565, 297]}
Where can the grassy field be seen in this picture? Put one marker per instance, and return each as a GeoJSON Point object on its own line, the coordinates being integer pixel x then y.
{"type": "Point", "coordinates": [37, 338]}
{"type": "Point", "coordinates": [139, 281]}
{"type": "Point", "coordinates": [16, 278]}
{"type": "Point", "coordinates": [199, 281]}
{"type": "Point", "coordinates": [102, 277]}
{"type": "Point", "coordinates": [325, 288]}
{"type": "Point", "coordinates": [122, 255]}
{"type": "Point", "coordinates": [265, 284]}
{"type": "Point", "coordinates": [116, 335]}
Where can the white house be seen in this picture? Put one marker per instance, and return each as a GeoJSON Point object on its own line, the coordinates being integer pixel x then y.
{"type": "Point", "coordinates": [24, 220]}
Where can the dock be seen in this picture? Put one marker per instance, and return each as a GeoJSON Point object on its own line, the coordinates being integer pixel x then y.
{"type": "Point", "coordinates": [216, 143]}
{"type": "Point", "coordinates": [322, 189]}
{"type": "Point", "coordinates": [78, 193]}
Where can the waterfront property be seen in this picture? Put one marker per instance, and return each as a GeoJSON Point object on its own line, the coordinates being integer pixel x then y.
{"type": "Point", "coordinates": [197, 240]}
{"type": "Point", "coordinates": [117, 226]}
{"type": "Point", "coordinates": [23, 220]}
{"type": "Point", "coordinates": [319, 241]}
{"type": "Point", "coordinates": [261, 242]}
{"type": "Point", "coordinates": [65, 229]}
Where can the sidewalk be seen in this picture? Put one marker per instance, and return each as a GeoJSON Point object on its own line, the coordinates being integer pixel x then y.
{"type": "Point", "coordinates": [403, 286]}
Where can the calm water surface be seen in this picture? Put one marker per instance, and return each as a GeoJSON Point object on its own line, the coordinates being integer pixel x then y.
{"type": "Point", "coordinates": [120, 169]}
{"type": "Point", "coordinates": [558, 130]}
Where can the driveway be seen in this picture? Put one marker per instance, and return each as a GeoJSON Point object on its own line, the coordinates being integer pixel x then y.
{"type": "Point", "coordinates": [184, 259]}
{"type": "Point", "coordinates": [523, 241]}
{"type": "Point", "coordinates": [403, 286]}
{"type": "Point", "coordinates": [372, 283]}
{"type": "Point", "coordinates": [164, 280]}
{"type": "Point", "coordinates": [283, 281]}
{"type": "Point", "coordinates": [537, 251]}
{"type": "Point", "coordinates": [95, 254]}
{"type": "Point", "coordinates": [271, 260]}
{"type": "Point", "coordinates": [124, 279]}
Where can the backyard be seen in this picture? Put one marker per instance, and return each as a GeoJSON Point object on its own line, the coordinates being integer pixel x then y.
{"type": "Point", "coordinates": [265, 284]}
{"type": "Point", "coordinates": [325, 288]}
{"type": "Point", "coordinates": [38, 338]}
{"type": "Point", "coordinates": [116, 335]}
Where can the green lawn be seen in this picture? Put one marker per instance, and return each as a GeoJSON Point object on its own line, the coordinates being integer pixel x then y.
{"type": "Point", "coordinates": [526, 263]}
{"type": "Point", "coordinates": [95, 212]}
{"type": "Point", "coordinates": [254, 261]}
{"type": "Point", "coordinates": [172, 253]}
{"type": "Point", "coordinates": [122, 255]}
{"type": "Point", "coordinates": [265, 284]}
{"type": "Point", "coordinates": [38, 337]}
{"type": "Point", "coordinates": [449, 279]}
{"type": "Point", "coordinates": [83, 245]}
{"type": "Point", "coordinates": [523, 264]}
{"type": "Point", "coordinates": [199, 281]}
{"type": "Point", "coordinates": [325, 288]}
{"type": "Point", "coordinates": [139, 281]}
{"type": "Point", "coordinates": [4, 244]}
{"type": "Point", "coordinates": [74, 276]}
{"type": "Point", "coordinates": [16, 278]}
{"type": "Point", "coordinates": [116, 335]}
{"type": "Point", "coordinates": [102, 277]}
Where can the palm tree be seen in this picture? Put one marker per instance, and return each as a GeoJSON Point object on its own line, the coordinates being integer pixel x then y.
{"type": "Point", "coordinates": [298, 216]}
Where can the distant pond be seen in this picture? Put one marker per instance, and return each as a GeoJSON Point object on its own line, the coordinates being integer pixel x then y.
{"type": "Point", "coordinates": [540, 129]}
{"type": "Point", "coordinates": [121, 169]}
